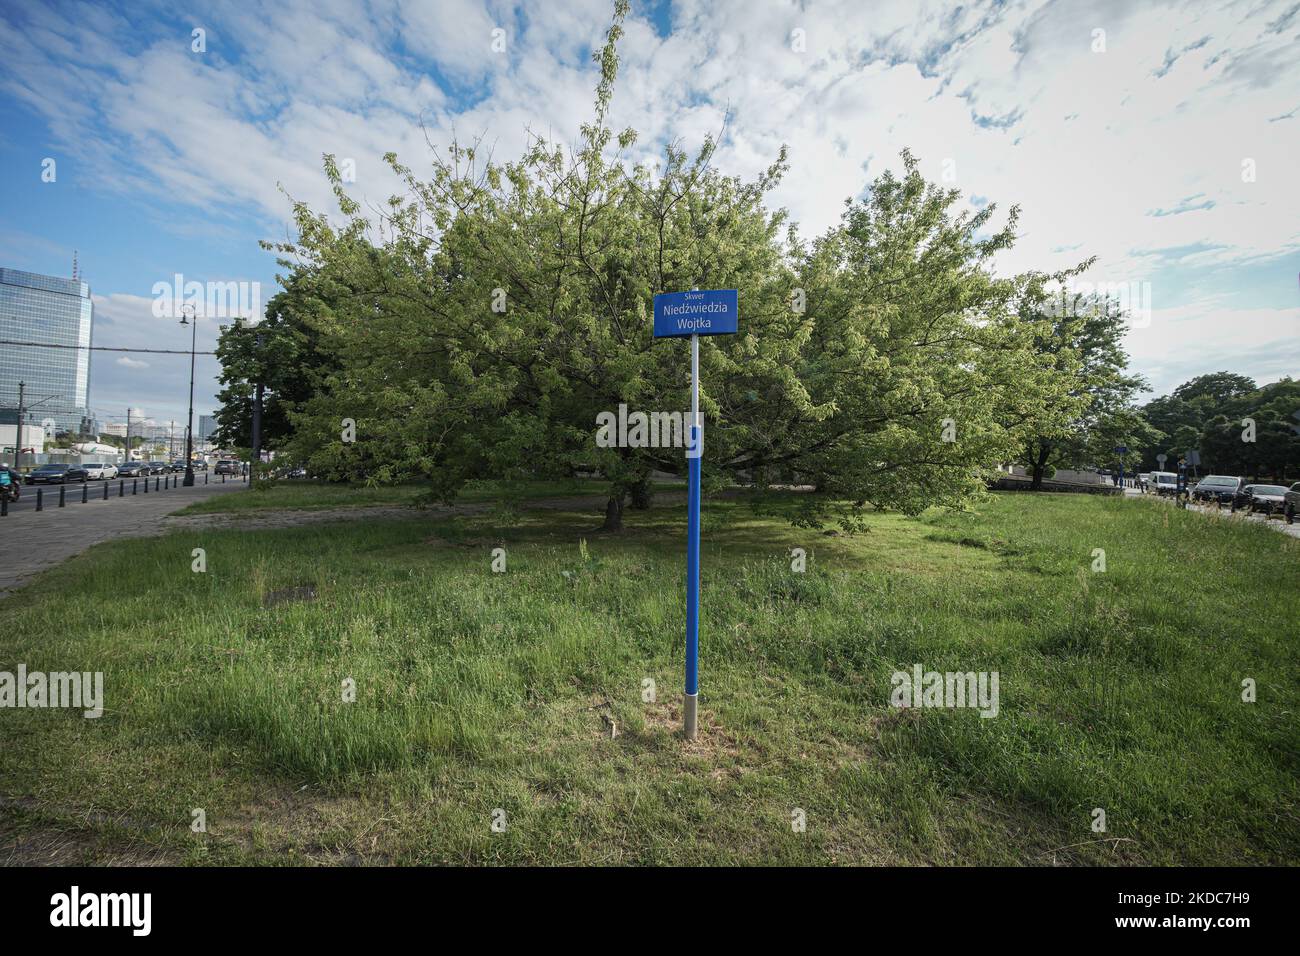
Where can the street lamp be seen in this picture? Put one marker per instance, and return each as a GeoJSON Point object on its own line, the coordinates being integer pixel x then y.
{"type": "Point", "coordinates": [193, 323]}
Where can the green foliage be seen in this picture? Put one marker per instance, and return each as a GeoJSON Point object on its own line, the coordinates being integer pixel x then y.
{"type": "Point", "coordinates": [1086, 350]}
{"type": "Point", "coordinates": [1211, 413]}
{"type": "Point", "coordinates": [477, 328]}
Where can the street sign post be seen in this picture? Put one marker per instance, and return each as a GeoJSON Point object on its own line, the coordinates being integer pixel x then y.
{"type": "Point", "coordinates": [695, 313]}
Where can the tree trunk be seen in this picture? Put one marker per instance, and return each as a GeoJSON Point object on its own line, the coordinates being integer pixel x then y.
{"type": "Point", "coordinates": [1039, 466]}
{"type": "Point", "coordinates": [613, 513]}
{"type": "Point", "coordinates": [641, 496]}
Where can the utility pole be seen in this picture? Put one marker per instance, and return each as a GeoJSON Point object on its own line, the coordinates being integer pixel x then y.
{"type": "Point", "coordinates": [189, 444]}
{"type": "Point", "coordinates": [128, 436]}
{"type": "Point", "coordinates": [257, 417]}
{"type": "Point", "coordinates": [18, 446]}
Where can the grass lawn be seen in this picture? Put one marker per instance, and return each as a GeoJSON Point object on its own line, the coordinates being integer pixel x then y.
{"type": "Point", "coordinates": [478, 691]}
{"type": "Point", "coordinates": [319, 495]}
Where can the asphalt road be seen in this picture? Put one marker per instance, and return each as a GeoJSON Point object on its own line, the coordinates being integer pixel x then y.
{"type": "Point", "coordinates": [95, 490]}
{"type": "Point", "coordinates": [35, 540]}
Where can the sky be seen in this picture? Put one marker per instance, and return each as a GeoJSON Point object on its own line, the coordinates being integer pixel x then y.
{"type": "Point", "coordinates": [1161, 138]}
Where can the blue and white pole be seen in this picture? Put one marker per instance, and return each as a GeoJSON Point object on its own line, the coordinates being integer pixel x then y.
{"type": "Point", "coordinates": [678, 315]}
{"type": "Point", "coordinates": [694, 450]}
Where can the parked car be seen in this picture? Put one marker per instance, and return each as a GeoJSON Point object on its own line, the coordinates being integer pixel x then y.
{"type": "Point", "coordinates": [1164, 483]}
{"type": "Point", "coordinates": [177, 466]}
{"type": "Point", "coordinates": [56, 475]}
{"type": "Point", "coordinates": [100, 471]}
{"type": "Point", "coordinates": [134, 469]}
{"type": "Point", "coordinates": [229, 466]}
{"type": "Point", "coordinates": [157, 467]}
{"type": "Point", "coordinates": [1291, 503]}
{"type": "Point", "coordinates": [1220, 488]}
{"type": "Point", "coordinates": [1265, 498]}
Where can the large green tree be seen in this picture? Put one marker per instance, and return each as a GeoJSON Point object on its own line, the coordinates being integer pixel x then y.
{"type": "Point", "coordinates": [487, 317]}
{"type": "Point", "coordinates": [1238, 429]}
{"type": "Point", "coordinates": [1084, 345]}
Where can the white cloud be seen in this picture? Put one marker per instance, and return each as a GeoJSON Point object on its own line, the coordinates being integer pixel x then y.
{"type": "Point", "coordinates": [119, 381]}
{"type": "Point", "coordinates": [1133, 155]}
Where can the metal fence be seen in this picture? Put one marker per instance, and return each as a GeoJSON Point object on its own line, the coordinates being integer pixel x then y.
{"type": "Point", "coordinates": [81, 492]}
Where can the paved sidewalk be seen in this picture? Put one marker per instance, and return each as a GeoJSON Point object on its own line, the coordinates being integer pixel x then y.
{"type": "Point", "coordinates": [35, 540]}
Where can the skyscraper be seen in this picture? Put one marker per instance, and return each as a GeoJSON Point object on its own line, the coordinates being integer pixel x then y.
{"type": "Point", "coordinates": [51, 311]}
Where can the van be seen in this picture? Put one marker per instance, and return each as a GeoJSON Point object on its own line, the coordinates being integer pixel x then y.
{"type": "Point", "coordinates": [1164, 482]}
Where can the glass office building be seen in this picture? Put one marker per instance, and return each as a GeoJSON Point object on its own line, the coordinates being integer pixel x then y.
{"type": "Point", "coordinates": [51, 311]}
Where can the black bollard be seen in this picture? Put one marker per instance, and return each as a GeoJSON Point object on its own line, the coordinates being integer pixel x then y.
{"type": "Point", "coordinates": [135, 486]}
{"type": "Point", "coordinates": [62, 494]}
{"type": "Point", "coordinates": [106, 491]}
{"type": "Point", "coordinates": [85, 492]}
{"type": "Point", "coordinates": [4, 505]}
{"type": "Point", "coordinates": [121, 488]}
{"type": "Point", "coordinates": [40, 499]}
{"type": "Point", "coordinates": [146, 484]}
{"type": "Point", "coordinates": [155, 483]}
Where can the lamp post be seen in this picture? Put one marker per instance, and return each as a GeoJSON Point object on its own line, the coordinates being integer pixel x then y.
{"type": "Point", "coordinates": [18, 443]}
{"type": "Point", "coordinates": [193, 323]}
{"type": "Point", "coordinates": [257, 420]}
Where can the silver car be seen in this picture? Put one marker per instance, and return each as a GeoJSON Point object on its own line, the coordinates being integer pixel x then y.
{"type": "Point", "coordinates": [100, 470]}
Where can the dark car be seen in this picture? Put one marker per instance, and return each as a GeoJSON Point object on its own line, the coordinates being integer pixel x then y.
{"type": "Point", "coordinates": [1265, 498]}
{"type": "Point", "coordinates": [1291, 503]}
{"type": "Point", "coordinates": [157, 467]}
{"type": "Point", "coordinates": [1220, 488]}
{"type": "Point", "coordinates": [228, 466]}
{"type": "Point", "coordinates": [177, 466]}
{"type": "Point", "coordinates": [57, 475]}
{"type": "Point", "coordinates": [134, 469]}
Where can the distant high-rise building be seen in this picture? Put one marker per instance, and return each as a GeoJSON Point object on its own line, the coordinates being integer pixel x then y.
{"type": "Point", "coordinates": [49, 311]}
{"type": "Point", "coordinates": [207, 425]}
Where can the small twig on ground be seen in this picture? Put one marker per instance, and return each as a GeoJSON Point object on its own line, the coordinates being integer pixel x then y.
{"type": "Point", "coordinates": [1114, 841]}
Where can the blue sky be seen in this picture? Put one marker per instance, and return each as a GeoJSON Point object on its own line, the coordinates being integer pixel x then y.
{"type": "Point", "coordinates": [1123, 131]}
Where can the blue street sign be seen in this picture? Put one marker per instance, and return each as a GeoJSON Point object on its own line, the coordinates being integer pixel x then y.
{"type": "Point", "coordinates": [705, 312]}
{"type": "Point", "coordinates": [712, 312]}
{"type": "Point", "coordinates": [1121, 449]}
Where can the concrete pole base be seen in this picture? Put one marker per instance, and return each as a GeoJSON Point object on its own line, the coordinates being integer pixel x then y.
{"type": "Point", "coordinates": [690, 714]}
